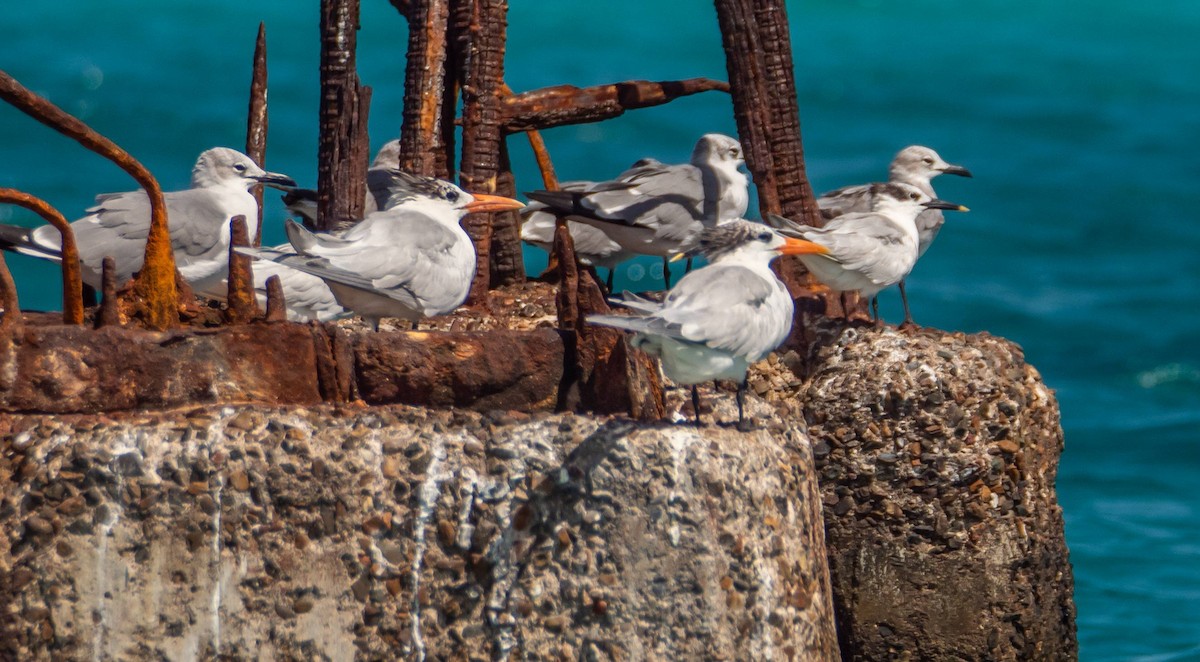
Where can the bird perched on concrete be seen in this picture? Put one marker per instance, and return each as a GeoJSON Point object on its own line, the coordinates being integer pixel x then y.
{"type": "Point", "coordinates": [867, 251]}
{"type": "Point", "coordinates": [659, 209]}
{"type": "Point", "coordinates": [914, 165]}
{"type": "Point", "coordinates": [198, 218]}
{"type": "Point", "coordinates": [410, 261]}
{"type": "Point", "coordinates": [382, 184]}
{"type": "Point", "coordinates": [720, 318]}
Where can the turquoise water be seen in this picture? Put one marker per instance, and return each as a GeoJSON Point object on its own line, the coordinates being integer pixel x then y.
{"type": "Point", "coordinates": [1079, 119]}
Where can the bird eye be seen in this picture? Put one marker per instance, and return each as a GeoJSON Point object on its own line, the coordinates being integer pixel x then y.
{"type": "Point", "coordinates": [927, 160]}
{"type": "Point", "coordinates": [764, 236]}
{"type": "Point", "coordinates": [452, 196]}
{"type": "Point", "coordinates": [914, 196]}
{"type": "Point", "coordinates": [239, 167]}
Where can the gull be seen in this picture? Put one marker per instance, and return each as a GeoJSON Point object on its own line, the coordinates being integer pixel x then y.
{"type": "Point", "coordinates": [198, 218]}
{"type": "Point", "coordinates": [411, 261]}
{"type": "Point", "coordinates": [720, 318]}
{"type": "Point", "coordinates": [382, 186]}
{"type": "Point", "coordinates": [659, 209]}
{"type": "Point", "coordinates": [914, 165]}
{"type": "Point", "coordinates": [592, 246]}
{"type": "Point", "coordinates": [867, 251]}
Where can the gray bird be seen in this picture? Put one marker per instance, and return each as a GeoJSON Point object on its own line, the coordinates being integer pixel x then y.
{"type": "Point", "coordinates": [382, 185]}
{"type": "Point", "coordinates": [867, 251]}
{"type": "Point", "coordinates": [409, 261]}
{"type": "Point", "coordinates": [721, 318]}
{"type": "Point", "coordinates": [198, 218]}
{"type": "Point", "coordinates": [659, 209]}
{"type": "Point", "coordinates": [914, 165]}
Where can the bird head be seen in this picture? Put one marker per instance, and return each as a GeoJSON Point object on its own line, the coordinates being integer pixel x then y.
{"type": "Point", "coordinates": [718, 150]}
{"type": "Point", "coordinates": [917, 165]}
{"type": "Point", "coordinates": [224, 166]}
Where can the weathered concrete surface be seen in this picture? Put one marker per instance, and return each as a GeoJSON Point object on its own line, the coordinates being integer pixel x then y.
{"type": "Point", "coordinates": [399, 533]}
{"type": "Point", "coordinates": [937, 455]}
{"type": "Point", "coordinates": [72, 369]}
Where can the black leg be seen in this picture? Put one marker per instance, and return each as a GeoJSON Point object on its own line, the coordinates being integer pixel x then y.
{"type": "Point", "coordinates": [696, 404]}
{"type": "Point", "coordinates": [416, 325]}
{"type": "Point", "coordinates": [875, 310]}
{"type": "Point", "coordinates": [688, 269]}
{"type": "Point", "coordinates": [667, 272]}
{"type": "Point", "coordinates": [908, 320]}
{"type": "Point", "coordinates": [741, 400]}
{"type": "Point", "coordinates": [609, 280]}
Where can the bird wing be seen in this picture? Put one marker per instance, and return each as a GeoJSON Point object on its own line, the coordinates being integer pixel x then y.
{"type": "Point", "coordinates": [860, 242]}
{"type": "Point", "coordinates": [845, 200]}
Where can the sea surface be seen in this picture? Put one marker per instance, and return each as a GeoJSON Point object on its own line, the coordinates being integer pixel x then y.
{"type": "Point", "coordinates": [1080, 121]}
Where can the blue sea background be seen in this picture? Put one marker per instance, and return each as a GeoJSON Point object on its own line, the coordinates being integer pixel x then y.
{"type": "Point", "coordinates": [1080, 121]}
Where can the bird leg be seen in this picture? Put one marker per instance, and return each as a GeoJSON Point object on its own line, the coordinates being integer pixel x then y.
{"type": "Point", "coordinates": [688, 267]}
{"type": "Point", "coordinates": [908, 320]}
{"type": "Point", "coordinates": [875, 311]}
{"type": "Point", "coordinates": [609, 281]}
{"type": "Point", "coordinates": [743, 425]}
{"type": "Point", "coordinates": [667, 272]}
{"type": "Point", "coordinates": [696, 404]}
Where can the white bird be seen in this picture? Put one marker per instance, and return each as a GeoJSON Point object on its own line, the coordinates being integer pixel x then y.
{"type": "Point", "coordinates": [382, 185]}
{"type": "Point", "coordinates": [659, 209]}
{"type": "Point", "coordinates": [914, 165]}
{"type": "Point", "coordinates": [723, 317]}
{"type": "Point", "coordinates": [198, 218]}
{"type": "Point", "coordinates": [868, 251]}
{"type": "Point", "coordinates": [592, 246]}
{"type": "Point", "coordinates": [411, 262]}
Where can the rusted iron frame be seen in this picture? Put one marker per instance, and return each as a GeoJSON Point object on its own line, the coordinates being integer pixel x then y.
{"type": "Point", "coordinates": [405, 7]}
{"type": "Point", "coordinates": [241, 304]}
{"type": "Point", "coordinates": [256, 120]}
{"type": "Point", "coordinates": [342, 151]}
{"type": "Point", "coordinates": [11, 323]}
{"type": "Point", "coordinates": [483, 76]}
{"type": "Point", "coordinates": [109, 313]}
{"type": "Point", "coordinates": [561, 105]}
{"type": "Point", "coordinates": [276, 304]}
{"type": "Point", "coordinates": [542, 156]}
{"type": "Point", "coordinates": [72, 280]}
{"type": "Point", "coordinates": [155, 284]}
{"type": "Point", "coordinates": [425, 83]}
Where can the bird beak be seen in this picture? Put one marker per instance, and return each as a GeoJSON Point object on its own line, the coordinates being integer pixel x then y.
{"type": "Point", "coordinates": [276, 180]}
{"type": "Point", "coordinates": [492, 203]}
{"type": "Point", "coordinates": [952, 169]}
{"type": "Point", "coordinates": [942, 204]}
{"type": "Point", "coordinates": [792, 246]}
{"type": "Point", "coordinates": [677, 257]}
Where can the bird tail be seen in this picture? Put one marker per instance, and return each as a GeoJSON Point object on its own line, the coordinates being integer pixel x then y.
{"type": "Point", "coordinates": [560, 202]}
{"type": "Point", "coordinates": [20, 240]}
{"type": "Point", "coordinates": [638, 324]}
{"type": "Point", "coordinates": [302, 202]}
{"type": "Point", "coordinates": [635, 302]}
{"type": "Point", "coordinates": [299, 237]}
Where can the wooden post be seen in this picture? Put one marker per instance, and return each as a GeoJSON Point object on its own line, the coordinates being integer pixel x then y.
{"type": "Point", "coordinates": [342, 149]}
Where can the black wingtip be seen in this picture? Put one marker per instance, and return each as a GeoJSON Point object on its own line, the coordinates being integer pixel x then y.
{"type": "Point", "coordinates": [562, 202]}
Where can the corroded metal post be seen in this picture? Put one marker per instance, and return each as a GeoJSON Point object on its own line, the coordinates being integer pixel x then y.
{"type": "Point", "coordinates": [342, 150]}
{"type": "Point", "coordinates": [155, 285]}
{"type": "Point", "coordinates": [11, 325]}
{"type": "Point", "coordinates": [560, 105]}
{"type": "Point", "coordinates": [424, 84]}
{"type": "Point", "coordinates": [276, 305]}
{"type": "Point", "coordinates": [481, 127]}
{"type": "Point", "coordinates": [241, 304]}
{"type": "Point", "coordinates": [256, 119]}
{"type": "Point", "coordinates": [109, 313]}
{"type": "Point", "coordinates": [72, 281]}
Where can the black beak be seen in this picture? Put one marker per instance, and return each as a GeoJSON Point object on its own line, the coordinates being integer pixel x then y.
{"type": "Point", "coordinates": [942, 204]}
{"type": "Point", "coordinates": [957, 170]}
{"type": "Point", "coordinates": [276, 180]}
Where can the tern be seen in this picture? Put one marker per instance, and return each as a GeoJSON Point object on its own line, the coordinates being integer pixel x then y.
{"type": "Point", "coordinates": [914, 165]}
{"type": "Point", "coordinates": [720, 318]}
{"type": "Point", "coordinates": [382, 187]}
{"type": "Point", "coordinates": [592, 246]}
{"type": "Point", "coordinates": [198, 218]}
{"type": "Point", "coordinates": [411, 261]}
{"type": "Point", "coordinates": [659, 209]}
{"type": "Point", "coordinates": [868, 251]}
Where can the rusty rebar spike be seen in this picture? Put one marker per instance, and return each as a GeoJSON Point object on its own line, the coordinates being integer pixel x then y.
{"type": "Point", "coordinates": [340, 116]}
{"type": "Point", "coordinates": [241, 305]}
{"type": "Point", "coordinates": [11, 320]}
{"type": "Point", "coordinates": [276, 304]}
{"type": "Point", "coordinates": [155, 284]}
{"type": "Point", "coordinates": [542, 156]}
{"type": "Point", "coordinates": [425, 83]}
{"type": "Point", "coordinates": [256, 120]}
{"type": "Point", "coordinates": [72, 281]}
{"type": "Point", "coordinates": [109, 313]}
{"type": "Point", "coordinates": [561, 105]}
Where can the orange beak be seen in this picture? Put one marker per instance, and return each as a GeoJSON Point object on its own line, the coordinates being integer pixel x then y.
{"type": "Point", "coordinates": [492, 203]}
{"type": "Point", "coordinates": [801, 247]}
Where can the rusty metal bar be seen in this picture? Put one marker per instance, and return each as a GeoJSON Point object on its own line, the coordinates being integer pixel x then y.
{"type": "Point", "coordinates": [72, 281]}
{"type": "Point", "coordinates": [276, 304]}
{"type": "Point", "coordinates": [11, 322]}
{"type": "Point", "coordinates": [109, 313]}
{"type": "Point", "coordinates": [481, 120]}
{"type": "Point", "coordinates": [341, 166]}
{"type": "Point", "coordinates": [241, 305]}
{"type": "Point", "coordinates": [424, 82]}
{"type": "Point", "coordinates": [155, 284]}
{"type": "Point", "coordinates": [256, 120]}
{"type": "Point", "coordinates": [508, 255]}
{"type": "Point", "coordinates": [542, 156]}
{"type": "Point", "coordinates": [405, 7]}
{"type": "Point", "coordinates": [561, 105]}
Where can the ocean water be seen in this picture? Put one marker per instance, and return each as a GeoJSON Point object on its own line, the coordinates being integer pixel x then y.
{"type": "Point", "coordinates": [1080, 121]}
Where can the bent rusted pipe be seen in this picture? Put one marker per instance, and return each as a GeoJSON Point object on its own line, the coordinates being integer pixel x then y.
{"type": "Point", "coordinates": [72, 281]}
{"type": "Point", "coordinates": [155, 284]}
{"type": "Point", "coordinates": [10, 322]}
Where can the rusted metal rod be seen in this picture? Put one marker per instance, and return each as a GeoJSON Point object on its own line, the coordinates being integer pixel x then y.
{"type": "Point", "coordinates": [11, 321]}
{"type": "Point", "coordinates": [341, 152]}
{"type": "Point", "coordinates": [542, 156]}
{"type": "Point", "coordinates": [241, 304]}
{"type": "Point", "coordinates": [109, 313]}
{"type": "Point", "coordinates": [276, 305]}
{"type": "Point", "coordinates": [566, 104]}
{"type": "Point", "coordinates": [256, 120]}
{"type": "Point", "coordinates": [72, 281]}
{"type": "Point", "coordinates": [425, 81]}
{"type": "Point", "coordinates": [155, 284]}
